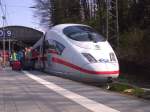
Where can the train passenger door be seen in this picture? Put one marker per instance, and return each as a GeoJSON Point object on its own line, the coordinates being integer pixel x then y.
{"type": "Point", "coordinates": [37, 58]}
{"type": "Point", "coordinates": [48, 48]}
{"type": "Point", "coordinates": [55, 53]}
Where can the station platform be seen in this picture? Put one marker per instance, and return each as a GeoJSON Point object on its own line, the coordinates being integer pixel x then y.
{"type": "Point", "coordinates": [33, 91]}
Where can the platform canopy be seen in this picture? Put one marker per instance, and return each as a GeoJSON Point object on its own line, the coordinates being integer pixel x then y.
{"type": "Point", "coordinates": [20, 34]}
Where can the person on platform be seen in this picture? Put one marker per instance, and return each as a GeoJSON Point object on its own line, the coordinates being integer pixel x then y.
{"type": "Point", "coordinates": [1, 60]}
{"type": "Point", "coordinates": [20, 56]}
{"type": "Point", "coordinates": [14, 56]}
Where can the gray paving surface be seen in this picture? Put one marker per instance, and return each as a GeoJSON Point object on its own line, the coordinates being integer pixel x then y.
{"type": "Point", "coordinates": [19, 93]}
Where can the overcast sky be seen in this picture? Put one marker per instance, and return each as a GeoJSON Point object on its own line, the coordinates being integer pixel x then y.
{"type": "Point", "coordinates": [18, 12]}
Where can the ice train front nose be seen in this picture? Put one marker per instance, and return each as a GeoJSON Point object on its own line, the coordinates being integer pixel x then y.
{"type": "Point", "coordinates": [101, 65]}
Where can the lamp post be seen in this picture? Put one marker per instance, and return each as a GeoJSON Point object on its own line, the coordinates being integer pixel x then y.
{"type": "Point", "coordinates": [4, 58]}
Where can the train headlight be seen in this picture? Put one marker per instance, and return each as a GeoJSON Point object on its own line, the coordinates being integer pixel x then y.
{"type": "Point", "coordinates": [112, 57]}
{"type": "Point", "coordinates": [89, 57]}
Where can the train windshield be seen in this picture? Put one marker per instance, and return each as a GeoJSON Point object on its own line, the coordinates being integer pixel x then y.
{"type": "Point", "coordinates": [83, 33]}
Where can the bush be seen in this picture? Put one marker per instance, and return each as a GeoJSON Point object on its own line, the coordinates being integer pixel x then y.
{"type": "Point", "coordinates": [131, 44]}
{"type": "Point", "coordinates": [127, 89]}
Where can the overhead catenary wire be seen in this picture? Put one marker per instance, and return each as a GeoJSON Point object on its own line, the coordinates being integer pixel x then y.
{"type": "Point", "coordinates": [1, 6]}
{"type": "Point", "coordinates": [3, 10]}
{"type": "Point", "coordinates": [20, 6]}
{"type": "Point", "coordinates": [4, 22]}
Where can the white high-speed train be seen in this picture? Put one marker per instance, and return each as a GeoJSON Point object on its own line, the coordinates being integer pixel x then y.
{"type": "Point", "coordinates": [76, 50]}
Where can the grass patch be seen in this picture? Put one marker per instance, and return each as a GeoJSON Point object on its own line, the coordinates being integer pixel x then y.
{"type": "Point", "coordinates": [127, 89]}
{"type": "Point", "coordinates": [123, 78]}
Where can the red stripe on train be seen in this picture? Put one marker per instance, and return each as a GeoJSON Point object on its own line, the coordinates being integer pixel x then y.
{"type": "Point", "coordinates": [68, 64]}
{"type": "Point", "coordinates": [52, 51]}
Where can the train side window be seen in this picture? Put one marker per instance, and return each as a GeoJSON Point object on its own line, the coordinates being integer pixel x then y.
{"type": "Point", "coordinates": [59, 47]}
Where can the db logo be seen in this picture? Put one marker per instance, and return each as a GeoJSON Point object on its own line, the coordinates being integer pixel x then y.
{"type": "Point", "coordinates": [104, 60]}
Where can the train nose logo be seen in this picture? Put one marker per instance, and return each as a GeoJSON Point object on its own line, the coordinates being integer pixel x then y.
{"type": "Point", "coordinates": [104, 60]}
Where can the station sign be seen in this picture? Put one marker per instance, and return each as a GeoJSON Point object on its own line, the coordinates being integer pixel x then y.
{"type": "Point", "coordinates": [5, 33]}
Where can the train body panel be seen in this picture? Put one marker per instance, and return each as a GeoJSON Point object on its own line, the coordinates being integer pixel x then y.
{"type": "Point", "coordinates": [55, 38]}
{"type": "Point", "coordinates": [77, 50]}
